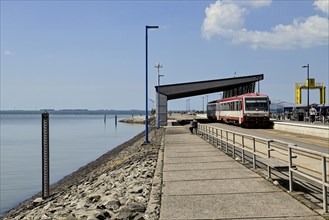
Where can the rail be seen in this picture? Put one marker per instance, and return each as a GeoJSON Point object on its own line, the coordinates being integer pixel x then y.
{"type": "Point", "coordinates": [310, 164]}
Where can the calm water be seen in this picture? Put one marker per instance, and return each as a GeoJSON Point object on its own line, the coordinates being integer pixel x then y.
{"type": "Point", "coordinates": [75, 140]}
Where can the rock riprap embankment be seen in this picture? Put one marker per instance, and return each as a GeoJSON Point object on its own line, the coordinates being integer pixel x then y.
{"type": "Point", "coordinates": [115, 186]}
{"type": "Point", "coordinates": [134, 120]}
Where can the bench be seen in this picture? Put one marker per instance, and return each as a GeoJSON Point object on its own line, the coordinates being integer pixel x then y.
{"type": "Point", "coordinates": [273, 163]}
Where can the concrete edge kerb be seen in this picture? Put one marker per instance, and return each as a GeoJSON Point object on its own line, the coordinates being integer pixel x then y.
{"type": "Point", "coordinates": [319, 126]}
{"type": "Point", "coordinates": [154, 204]}
{"type": "Point", "coordinates": [316, 130]}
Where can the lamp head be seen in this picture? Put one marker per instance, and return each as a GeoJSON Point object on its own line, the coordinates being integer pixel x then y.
{"type": "Point", "coordinates": [149, 27]}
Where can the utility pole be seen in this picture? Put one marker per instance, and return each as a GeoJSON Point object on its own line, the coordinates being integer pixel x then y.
{"type": "Point", "coordinates": [158, 102]}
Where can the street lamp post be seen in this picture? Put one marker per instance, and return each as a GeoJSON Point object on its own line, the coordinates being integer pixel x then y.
{"type": "Point", "coordinates": [158, 103]}
{"type": "Point", "coordinates": [146, 83]}
{"type": "Point", "coordinates": [202, 104]}
{"type": "Point", "coordinates": [308, 87]}
{"type": "Point", "coordinates": [188, 105]}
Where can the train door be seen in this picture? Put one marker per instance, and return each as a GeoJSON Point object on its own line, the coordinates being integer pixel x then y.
{"type": "Point", "coordinates": [240, 111]}
{"type": "Point", "coordinates": [217, 111]}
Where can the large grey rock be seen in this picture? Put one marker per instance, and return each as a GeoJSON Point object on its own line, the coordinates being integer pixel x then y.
{"type": "Point", "coordinates": [37, 201]}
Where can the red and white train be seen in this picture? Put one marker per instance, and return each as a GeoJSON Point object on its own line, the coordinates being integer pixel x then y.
{"type": "Point", "coordinates": [247, 110]}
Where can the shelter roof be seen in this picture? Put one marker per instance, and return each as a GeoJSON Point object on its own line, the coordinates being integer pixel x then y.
{"type": "Point", "coordinates": [182, 90]}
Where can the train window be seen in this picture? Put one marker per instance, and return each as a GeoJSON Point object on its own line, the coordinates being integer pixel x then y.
{"type": "Point", "coordinates": [226, 106]}
{"type": "Point", "coordinates": [256, 104]}
{"type": "Point", "coordinates": [217, 107]}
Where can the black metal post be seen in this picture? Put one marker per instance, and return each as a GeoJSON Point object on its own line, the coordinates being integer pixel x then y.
{"type": "Point", "coordinates": [308, 88]}
{"type": "Point", "coordinates": [45, 154]}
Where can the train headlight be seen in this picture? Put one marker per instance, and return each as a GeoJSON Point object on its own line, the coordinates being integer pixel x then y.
{"type": "Point", "coordinates": [248, 115]}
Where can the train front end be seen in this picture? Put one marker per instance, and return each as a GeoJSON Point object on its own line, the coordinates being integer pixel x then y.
{"type": "Point", "coordinates": [256, 111]}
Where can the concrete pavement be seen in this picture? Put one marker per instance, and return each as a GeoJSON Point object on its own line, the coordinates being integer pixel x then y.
{"type": "Point", "coordinates": [201, 182]}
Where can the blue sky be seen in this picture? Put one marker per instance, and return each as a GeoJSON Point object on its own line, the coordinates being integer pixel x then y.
{"type": "Point", "coordinates": [91, 54]}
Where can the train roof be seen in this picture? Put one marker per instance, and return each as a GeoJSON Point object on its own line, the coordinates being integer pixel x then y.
{"type": "Point", "coordinates": [240, 96]}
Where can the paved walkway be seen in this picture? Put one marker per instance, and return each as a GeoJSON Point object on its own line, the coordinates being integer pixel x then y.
{"type": "Point", "coordinates": [201, 182]}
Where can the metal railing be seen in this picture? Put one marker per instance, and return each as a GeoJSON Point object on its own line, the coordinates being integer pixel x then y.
{"type": "Point", "coordinates": [310, 164]}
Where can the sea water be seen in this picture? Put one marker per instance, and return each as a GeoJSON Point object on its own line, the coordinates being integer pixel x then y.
{"type": "Point", "coordinates": [75, 140]}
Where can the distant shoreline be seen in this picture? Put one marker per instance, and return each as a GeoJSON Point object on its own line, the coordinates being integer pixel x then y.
{"type": "Point", "coordinates": [75, 112]}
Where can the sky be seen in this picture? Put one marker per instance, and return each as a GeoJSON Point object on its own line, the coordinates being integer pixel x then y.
{"type": "Point", "coordinates": [91, 54]}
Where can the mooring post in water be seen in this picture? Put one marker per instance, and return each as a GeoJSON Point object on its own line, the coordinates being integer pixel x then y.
{"type": "Point", "coordinates": [116, 120]}
{"type": "Point", "coordinates": [45, 154]}
{"type": "Point", "coordinates": [105, 119]}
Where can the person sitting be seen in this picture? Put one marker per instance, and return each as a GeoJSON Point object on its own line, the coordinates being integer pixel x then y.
{"type": "Point", "coordinates": [194, 126]}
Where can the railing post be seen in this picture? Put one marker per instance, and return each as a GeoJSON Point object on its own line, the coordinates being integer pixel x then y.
{"type": "Point", "coordinates": [291, 180]}
{"type": "Point", "coordinates": [233, 145]}
{"type": "Point", "coordinates": [45, 154]}
{"type": "Point", "coordinates": [207, 132]}
{"type": "Point", "coordinates": [324, 187]}
{"type": "Point", "coordinates": [216, 137]}
{"type": "Point", "coordinates": [242, 153]}
{"type": "Point", "coordinates": [226, 150]}
{"type": "Point", "coordinates": [254, 152]}
{"type": "Point", "coordinates": [212, 136]}
{"type": "Point", "coordinates": [204, 132]}
{"type": "Point", "coordinates": [203, 128]}
{"type": "Point", "coordinates": [268, 156]}
{"type": "Point", "coordinates": [269, 149]}
{"type": "Point", "coordinates": [221, 139]}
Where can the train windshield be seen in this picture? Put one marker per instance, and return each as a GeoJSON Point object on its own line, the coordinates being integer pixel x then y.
{"type": "Point", "coordinates": [256, 104]}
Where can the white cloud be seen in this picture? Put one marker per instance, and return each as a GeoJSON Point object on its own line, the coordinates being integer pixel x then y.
{"type": "Point", "coordinates": [8, 53]}
{"type": "Point", "coordinates": [222, 22]}
{"type": "Point", "coordinates": [322, 5]}
{"type": "Point", "coordinates": [255, 3]}
{"type": "Point", "coordinates": [222, 17]}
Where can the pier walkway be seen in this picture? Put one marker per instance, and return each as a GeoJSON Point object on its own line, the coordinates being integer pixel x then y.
{"type": "Point", "coordinates": [201, 182]}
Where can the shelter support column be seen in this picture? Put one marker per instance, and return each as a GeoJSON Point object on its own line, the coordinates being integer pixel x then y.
{"type": "Point", "coordinates": [162, 109]}
{"type": "Point", "coordinates": [322, 95]}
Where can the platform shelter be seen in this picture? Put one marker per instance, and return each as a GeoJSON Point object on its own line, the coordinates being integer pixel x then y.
{"type": "Point", "coordinates": [229, 86]}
